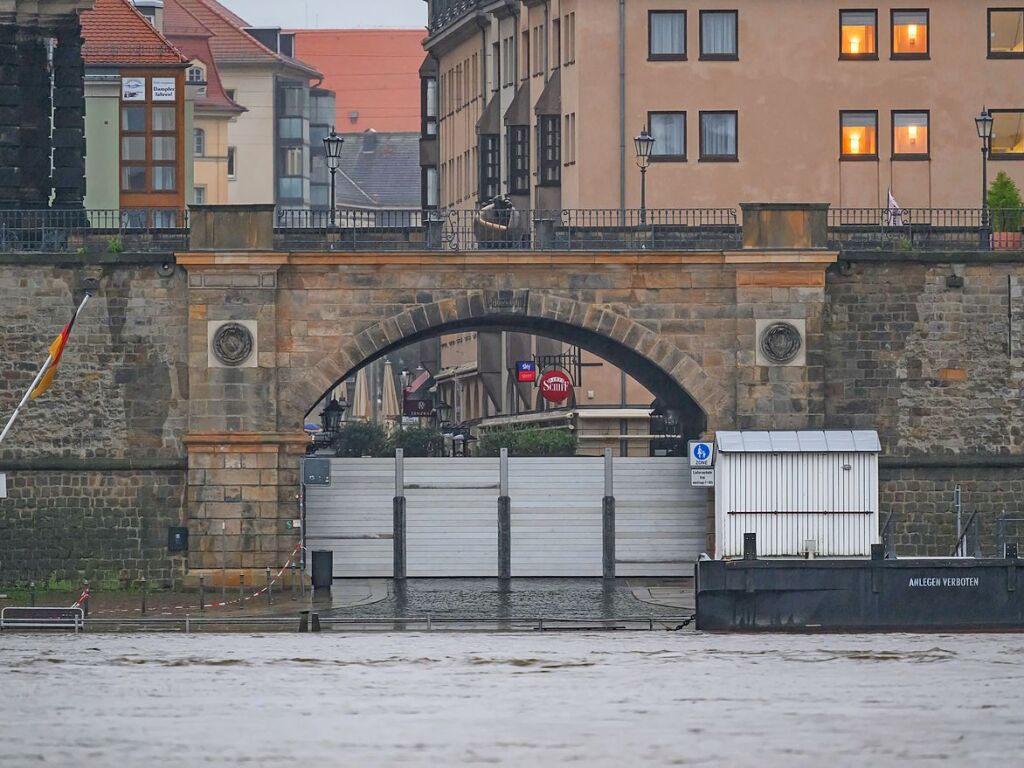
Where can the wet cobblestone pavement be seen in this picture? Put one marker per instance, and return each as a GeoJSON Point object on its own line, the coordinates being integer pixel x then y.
{"type": "Point", "coordinates": [486, 599]}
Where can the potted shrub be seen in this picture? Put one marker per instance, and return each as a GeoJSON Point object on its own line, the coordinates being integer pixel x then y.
{"type": "Point", "coordinates": [1004, 202]}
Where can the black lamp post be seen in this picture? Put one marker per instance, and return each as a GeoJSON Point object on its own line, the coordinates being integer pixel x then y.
{"type": "Point", "coordinates": [984, 125]}
{"type": "Point", "coordinates": [330, 416]}
{"type": "Point", "coordinates": [644, 143]}
{"type": "Point", "coordinates": [332, 150]}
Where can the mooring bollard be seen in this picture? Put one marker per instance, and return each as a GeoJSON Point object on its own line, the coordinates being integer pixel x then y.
{"type": "Point", "coordinates": [303, 621]}
{"type": "Point", "coordinates": [32, 594]}
{"type": "Point", "coordinates": [270, 589]}
{"type": "Point", "coordinates": [241, 589]}
{"type": "Point", "coordinates": [143, 582]}
{"type": "Point", "coordinates": [315, 624]}
{"type": "Point", "coordinates": [202, 593]}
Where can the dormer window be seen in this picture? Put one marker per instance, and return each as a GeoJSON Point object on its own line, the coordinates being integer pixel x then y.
{"type": "Point", "coordinates": [196, 74]}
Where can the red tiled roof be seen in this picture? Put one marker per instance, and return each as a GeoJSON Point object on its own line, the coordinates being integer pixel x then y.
{"type": "Point", "coordinates": [116, 33]}
{"type": "Point", "coordinates": [374, 72]}
{"type": "Point", "coordinates": [193, 39]}
{"type": "Point", "coordinates": [230, 44]}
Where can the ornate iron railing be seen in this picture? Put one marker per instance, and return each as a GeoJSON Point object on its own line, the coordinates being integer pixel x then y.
{"type": "Point", "coordinates": [931, 229]}
{"type": "Point", "coordinates": [670, 229]}
{"type": "Point", "coordinates": [127, 229]}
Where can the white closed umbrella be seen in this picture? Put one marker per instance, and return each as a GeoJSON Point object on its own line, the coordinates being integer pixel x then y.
{"type": "Point", "coordinates": [362, 408]}
{"type": "Point", "coordinates": [390, 412]}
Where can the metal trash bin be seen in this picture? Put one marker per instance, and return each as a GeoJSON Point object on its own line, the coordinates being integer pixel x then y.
{"type": "Point", "coordinates": [323, 569]}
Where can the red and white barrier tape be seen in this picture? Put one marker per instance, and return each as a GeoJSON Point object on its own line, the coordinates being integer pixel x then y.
{"type": "Point", "coordinates": [218, 604]}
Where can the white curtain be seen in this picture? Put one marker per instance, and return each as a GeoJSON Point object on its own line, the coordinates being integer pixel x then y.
{"type": "Point", "coordinates": [667, 130]}
{"type": "Point", "coordinates": [718, 32]}
{"type": "Point", "coordinates": [718, 135]}
{"type": "Point", "coordinates": [668, 35]}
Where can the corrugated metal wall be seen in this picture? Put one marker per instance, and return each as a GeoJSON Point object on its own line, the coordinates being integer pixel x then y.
{"type": "Point", "coordinates": [556, 516]}
{"type": "Point", "coordinates": [789, 498]}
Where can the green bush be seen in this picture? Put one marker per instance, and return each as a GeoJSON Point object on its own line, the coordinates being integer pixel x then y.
{"type": "Point", "coordinates": [361, 438]}
{"type": "Point", "coordinates": [1004, 200]}
{"type": "Point", "coordinates": [115, 244]}
{"type": "Point", "coordinates": [529, 442]}
{"type": "Point", "coordinates": [417, 442]}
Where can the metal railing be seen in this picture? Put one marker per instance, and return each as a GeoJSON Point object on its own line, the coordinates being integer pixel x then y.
{"type": "Point", "coordinates": [930, 229]}
{"type": "Point", "coordinates": [671, 229]}
{"type": "Point", "coordinates": [114, 230]}
{"type": "Point", "coordinates": [1009, 530]}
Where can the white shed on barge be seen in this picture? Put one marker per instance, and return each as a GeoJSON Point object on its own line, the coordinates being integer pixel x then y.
{"type": "Point", "coordinates": [801, 492]}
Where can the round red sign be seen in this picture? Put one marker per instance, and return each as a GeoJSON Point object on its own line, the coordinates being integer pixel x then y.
{"type": "Point", "coordinates": [555, 386]}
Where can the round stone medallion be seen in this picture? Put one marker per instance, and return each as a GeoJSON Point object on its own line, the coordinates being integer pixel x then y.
{"type": "Point", "coordinates": [780, 342]}
{"type": "Point", "coordinates": [232, 344]}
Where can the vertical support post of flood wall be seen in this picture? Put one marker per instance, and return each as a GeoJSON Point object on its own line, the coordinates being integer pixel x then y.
{"type": "Point", "coordinates": [504, 519]}
{"type": "Point", "coordinates": [399, 515]}
{"type": "Point", "coordinates": [608, 519]}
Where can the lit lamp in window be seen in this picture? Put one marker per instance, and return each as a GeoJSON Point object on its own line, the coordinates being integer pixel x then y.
{"type": "Point", "coordinates": [332, 150]}
{"type": "Point", "coordinates": [855, 45]}
{"type": "Point", "coordinates": [855, 142]}
{"type": "Point", "coordinates": [912, 34]}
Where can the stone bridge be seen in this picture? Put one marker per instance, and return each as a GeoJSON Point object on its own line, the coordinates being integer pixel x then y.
{"type": "Point", "coordinates": [150, 428]}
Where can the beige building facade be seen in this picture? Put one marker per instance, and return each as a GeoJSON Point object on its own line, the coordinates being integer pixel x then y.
{"type": "Point", "coordinates": [763, 100]}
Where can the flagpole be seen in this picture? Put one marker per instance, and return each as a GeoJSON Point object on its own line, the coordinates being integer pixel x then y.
{"type": "Point", "coordinates": [39, 376]}
{"type": "Point", "coordinates": [28, 393]}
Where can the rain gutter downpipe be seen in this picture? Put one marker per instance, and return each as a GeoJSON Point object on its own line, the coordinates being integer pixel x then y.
{"type": "Point", "coordinates": [622, 105]}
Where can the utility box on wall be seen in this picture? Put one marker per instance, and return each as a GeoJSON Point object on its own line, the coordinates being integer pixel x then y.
{"type": "Point", "coordinates": [803, 494]}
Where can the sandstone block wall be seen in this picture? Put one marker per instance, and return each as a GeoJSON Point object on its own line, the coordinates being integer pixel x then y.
{"type": "Point", "coordinates": [95, 466]}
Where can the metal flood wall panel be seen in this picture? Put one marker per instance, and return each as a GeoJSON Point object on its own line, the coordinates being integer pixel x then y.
{"type": "Point", "coordinates": [451, 517]}
{"type": "Point", "coordinates": [556, 515]}
{"type": "Point", "coordinates": [660, 520]}
{"type": "Point", "coordinates": [353, 517]}
{"type": "Point", "coordinates": [790, 498]}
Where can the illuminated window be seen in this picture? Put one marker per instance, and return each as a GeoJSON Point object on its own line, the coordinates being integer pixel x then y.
{"type": "Point", "coordinates": [910, 135]}
{"type": "Point", "coordinates": [1007, 134]}
{"type": "Point", "coordinates": [859, 135]}
{"type": "Point", "coordinates": [1006, 33]}
{"type": "Point", "coordinates": [857, 34]}
{"type": "Point", "coordinates": [910, 34]}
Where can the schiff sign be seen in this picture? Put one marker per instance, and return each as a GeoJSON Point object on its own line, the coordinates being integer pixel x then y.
{"type": "Point", "coordinates": [555, 387]}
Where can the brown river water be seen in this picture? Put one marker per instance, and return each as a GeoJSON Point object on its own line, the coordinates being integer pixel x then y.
{"type": "Point", "coordinates": [531, 699]}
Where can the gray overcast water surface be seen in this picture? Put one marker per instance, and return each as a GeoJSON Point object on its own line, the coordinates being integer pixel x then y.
{"type": "Point", "coordinates": [593, 699]}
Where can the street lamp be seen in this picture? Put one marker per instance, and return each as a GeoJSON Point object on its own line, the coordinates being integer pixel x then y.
{"type": "Point", "coordinates": [983, 122]}
{"type": "Point", "coordinates": [330, 416]}
{"type": "Point", "coordinates": [644, 143]}
{"type": "Point", "coordinates": [332, 150]}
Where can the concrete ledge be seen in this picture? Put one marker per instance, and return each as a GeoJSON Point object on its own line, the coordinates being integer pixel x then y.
{"type": "Point", "coordinates": [934, 257]}
{"type": "Point", "coordinates": [36, 259]}
{"type": "Point", "coordinates": [72, 464]}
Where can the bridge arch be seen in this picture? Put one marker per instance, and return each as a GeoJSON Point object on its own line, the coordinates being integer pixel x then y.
{"type": "Point", "coordinates": [674, 377]}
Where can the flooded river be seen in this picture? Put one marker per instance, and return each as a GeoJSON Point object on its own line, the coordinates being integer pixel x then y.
{"type": "Point", "coordinates": [438, 699]}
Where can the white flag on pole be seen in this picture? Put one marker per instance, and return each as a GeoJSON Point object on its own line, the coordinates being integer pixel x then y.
{"type": "Point", "coordinates": [894, 214]}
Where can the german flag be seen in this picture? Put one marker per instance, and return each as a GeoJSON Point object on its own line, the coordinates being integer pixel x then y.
{"type": "Point", "coordinates": [56, 350]}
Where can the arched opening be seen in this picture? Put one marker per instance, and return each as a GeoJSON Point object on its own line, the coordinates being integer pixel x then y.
{"type": "Point", "coordinates": [670, 396]}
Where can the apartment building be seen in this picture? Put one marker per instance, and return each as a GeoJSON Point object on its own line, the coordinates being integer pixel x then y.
{"type": "Point", "coordinates": [137, 116]}
{"type": "Point", "coordinates": [763, 100]}
{"type": "Point", "coordinates": [267, 157]}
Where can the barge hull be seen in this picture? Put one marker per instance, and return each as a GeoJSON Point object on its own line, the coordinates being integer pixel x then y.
{"type": "Point", "coordinates": [914, 595]}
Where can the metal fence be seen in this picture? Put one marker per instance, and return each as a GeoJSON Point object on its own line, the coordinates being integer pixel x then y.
{"type": "Point", "coordinates": [932, 229]}
{"type": "Point", "coordinates": [113, 230]}
{"type": "Point", "coordinates": [671, 229]}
